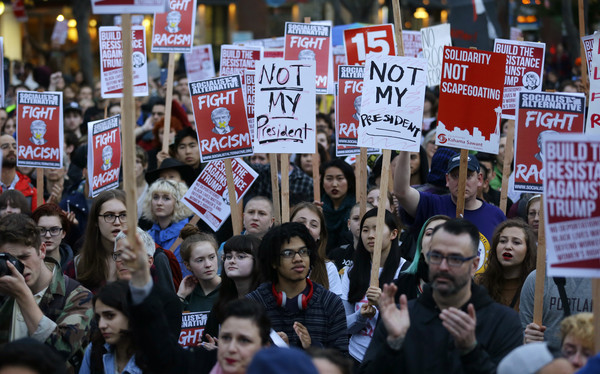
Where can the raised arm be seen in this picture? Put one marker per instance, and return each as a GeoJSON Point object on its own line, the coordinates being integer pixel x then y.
{"type": "Point", "coordinates": [407, 195]}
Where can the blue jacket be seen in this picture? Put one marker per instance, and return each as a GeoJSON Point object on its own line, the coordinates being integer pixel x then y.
{"type": "Point", "coordinates": [165, 238]}
{"type": "Point", "coordinates": [108, 360]}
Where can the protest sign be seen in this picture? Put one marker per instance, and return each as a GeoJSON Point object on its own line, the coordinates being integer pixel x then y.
{"type": "Point", "coordinates": [516, 33]}
{"type": "Point", "coordinates": [208, 196]}
{"type": "Point", "coordinates": [592, 125]}
{"type": "Point", "coordinates": [2, 72]}
{"type": "Point", "coordinates": [361, 41]}
{"type": "Point", "coordinates": [273, 53]}
{"type": "Point", "coordinates": [19, 10]}
{"type": "Point", "coordinates": [220, 103]}
{"type": "Point", "coordinates": [111, 61]}
{"type": "Point", "coordinates": [348, 103]}
{"type": "Point", "coordinates": [104, 154]}
{"type": "Point", "coordinates": [40, 129]}
{"type": "Point", "coordinates": [588, 45]}
{"type": "Point", "coordinates": [339, 58]}
{"type": "Point", "coordinates": [311, 42]}
{"type": "Point", "coordinates": [285, 107]}
{"type": "Point", "coordinates": [434, 39]}
{"type": "Point", "coordinates": [173, 30]}
{"type": "Point", "coordinates": [470, 99]}
{"type": "Point", "coordinates": [128, 6]}
{"type": "Point", "coordinates": [572, 205]}
{"type": "Point", "coordinates": [192, 328]}
{"type": "Point", "coordinates": [392, 102]}
{"type": "Point", "coordinates": [199, 63]}
{"type": "Point", "coordinates": [250, 94]}
{"type": "Point", "coordinates": [59, 33]}
{"type": "Point", "coordinates": [413, 46]}
{"type": "Point", "coordinates": [538, 115]}
{"type": "Point", "coordinates": [236, 59]}
{"type": "Point", "coordinates": [524, 70]}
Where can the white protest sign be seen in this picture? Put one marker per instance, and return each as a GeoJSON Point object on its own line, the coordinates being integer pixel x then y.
{"type": "Point", "coordinates": [592, 125]}
{"type": "Point", "coordinates": [413, 46]}
{"type": "Point", "coordinates": [284, 107]}
{"type": "Point", "coordinates": [434, 40]}
{"type": "Point", "coordinates": [128, 6]}
{"type": "Point", "coordinates": [588, 46]}
{"type": "Point", "coordinates": [572, 205]}
{"type": "Point", "coordinates": [199, 64]}
{"type": "Point", "coordinates": [59, 34]}
{"type": "Point", "coordinates": [392, 102]}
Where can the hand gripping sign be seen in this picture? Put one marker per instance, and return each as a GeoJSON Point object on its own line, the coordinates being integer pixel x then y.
{"type": "Point", "coordinates": [39, 129]}
{"type": "Point", "coordinates": [104, 154]}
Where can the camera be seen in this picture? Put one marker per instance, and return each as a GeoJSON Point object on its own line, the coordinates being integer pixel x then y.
{"type": "Point", "coordinates": [7, 257]}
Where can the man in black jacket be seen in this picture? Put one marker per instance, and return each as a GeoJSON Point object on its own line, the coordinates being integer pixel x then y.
{"type": "Point", "coordinates": [454, 327]}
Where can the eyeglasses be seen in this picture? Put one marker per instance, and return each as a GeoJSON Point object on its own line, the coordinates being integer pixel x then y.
{"type": "Point", "coordinates": [454, 261]}
{"type": "Point", "coordinates": [54, 231]}
{"type": "Point", "coordinates": [111, 217]}
{"type": "Point", "coordinates": [238, 257]}
{"type": "Point", "coordinates": [289, 253]}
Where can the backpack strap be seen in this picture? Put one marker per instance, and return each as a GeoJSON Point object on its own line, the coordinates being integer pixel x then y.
{"type": "Point", "coordinates": [560, 283]}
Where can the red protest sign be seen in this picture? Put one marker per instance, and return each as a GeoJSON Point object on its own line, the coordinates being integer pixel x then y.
{"type": "Point", "coordinates": [39, 129]}
{"type": "Point", "coordinates": [359, 42]}
{"type": "Point", "coordinates": [524, 70]}
{"type": "Point", "coordinates": [308, 41]}
{"type": "Point", "coordinates": [111, 61]}
{"type": "Point", "coordinates": [104, 154]}
{"type": "Point", "coordinates": [128, 6]}
{"type": "Point", "coordinates": [250, 92]}
{"type": "Point", "coordinates": [219, 104]}
{"type": "Point", "coordinates": [199, 63]}
{"type": "Point", "coordinates": [174, 30]}
{"type": "Point", "coordinates": [572, 205]}
{"type": "Point", "coordinates": [192, 327]}
{"type": "Point", "coordinates": [237, 59]}
{"type": "Point", "coordinates": [538, 115]}
{"type": "Point", "coordinates": [350, 85]}
{"type": "Point", "coordinates": [470, 99]}
{"type": "Point", "coordinates": [339, 58]}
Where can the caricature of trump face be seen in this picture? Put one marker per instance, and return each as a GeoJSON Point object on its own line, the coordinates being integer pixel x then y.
{"type": "Point", "coordinates": [107, 154]}
{"type": "Point", "coordinates": [38, 130]}
{"type": "Point", "coordinates": [220, 117]}
{"type": "Point", "coordinates": [173, 19]}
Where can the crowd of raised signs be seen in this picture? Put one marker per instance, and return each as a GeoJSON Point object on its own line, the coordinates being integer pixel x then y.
{"type": "Point", "coordinates": [116, 310]}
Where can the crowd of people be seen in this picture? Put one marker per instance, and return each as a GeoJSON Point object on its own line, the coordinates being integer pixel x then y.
{"type": "Point", "coordinates": [454, 295]}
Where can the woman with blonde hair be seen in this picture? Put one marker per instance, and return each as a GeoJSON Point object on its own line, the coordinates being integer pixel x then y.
{"type": "Point", "coordinates": [577, 339]}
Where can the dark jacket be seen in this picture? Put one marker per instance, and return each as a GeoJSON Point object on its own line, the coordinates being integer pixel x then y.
{"type": "Point", "coordinates": [429, 348]}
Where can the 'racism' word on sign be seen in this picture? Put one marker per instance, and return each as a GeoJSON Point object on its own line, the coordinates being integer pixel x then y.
{"type": "Point", "coordinates": [104, 154]}
{"type": "Point", "coordinates": [39, 129]}
{"type": "Point", "coordinates": [285, 107]}
{"type": "Point", "coordinates": [392, 102]}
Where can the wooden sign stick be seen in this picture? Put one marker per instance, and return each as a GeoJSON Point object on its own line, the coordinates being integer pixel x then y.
{"type": "Point", "coordinates": [462, 180]}
{"type": "Point", "coordinates": [540, 269]}
{"type": "Point", "coordinates": [316, 175]}
{"type": "Point", "coordinates": [508, 156]}
{"type": "Point", "coordinates": [127, 128]}
{"type": "Point", "coordinates": [362, 184]}
{"type": "Point", "coordinates": [40, 186]}
{"type": "Point", "coordinates": [584, 77]}
{"type": "Point", "coordinates": [275, 187]}
{"type": "Point", "coordinates": [285, 187]}
{"type": "Point", "coordinates": [168, 103]}
{"type": "Point", "coordinates": [235, 217]}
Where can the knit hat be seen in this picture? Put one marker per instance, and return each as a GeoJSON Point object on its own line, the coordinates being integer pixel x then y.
{"type": "Point", "coordinates": [276, 360]}
{"type": "Point", "coordinates": [439, 164]}
{"type": "Point", "coordinates": [526, 359]}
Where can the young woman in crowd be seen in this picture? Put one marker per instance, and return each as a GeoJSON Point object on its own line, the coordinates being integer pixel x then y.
{"type": "Point", "coordinates": [112, 349]}
{"type": "Point", "coordinates": [373, 198]}
{"type": "Point", "coordinates": [338, 195]}
{"type": "Point", "coordinates": [163, 206]}
{"type": "Point", "coordinates": [54, 226]}
{"type": "Point", "coordinates": [359, 298]}
{"type": "Point", "coordinates": [577, 336]}
{"type": "Point", "coordinates": [199, 291]}
{"type": "Point", "coordinates": [304, 160]}
{"type": "Point", "coordinates": [13, 201]}
{"type": "Point", "coordinates": [533, 214]}
{"type": "Point", "coordinates": [411, 281]}
{"type": "Point", "coordinates": [239, 277]}
{"type": "Point", "coordinates": [512, 257]}
{"type": "Point", "coordinates": [323, 271]}
{"type": "Point", "coordinates": [94, 266]}
{"type": "Point", "coordinates": [10, 127]}
{"type": "Point", "coordinates": [342, 255]}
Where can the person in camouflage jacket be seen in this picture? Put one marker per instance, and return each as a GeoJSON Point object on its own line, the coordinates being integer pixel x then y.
{"type": "Point", "coordinates": [41, 303]}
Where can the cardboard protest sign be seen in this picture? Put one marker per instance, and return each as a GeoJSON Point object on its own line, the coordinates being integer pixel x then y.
{"type": "Point", "coordinates": [348, 104]}
{"type": "Point", "coordinates": [220, 107]}
{"type": "Point", "coordinates": [413, 46]}
{"type": "Point", "coordinates": [236, 59]}
{"type": "Point", "coordinates": [572, 205]}
{"type": "Point", "coordinates": [192, 328]}
{"type": "Point", "coordinates": [104, 154]}
{"type": "Point", "coordinates": [540, 114]}
{"type": "Point", "coordinates": [516, 33]}
{"type": "Point", "coordinates": [524, 70]}
{"type": "Point", "coordinates": [339, 58]}
{"type": "Point", "coordinates": [173, 30]}
{"type": "Point", "coordinates": [2, 72]}
{"type": "Point", "coordinates": [19, 10]}
{"type": "Point", "coordinates": [208, 196]}
{"type": "Point", "coordinates": [470, 99]}
{"type": "Point", "coordinates": [434, 39]}
{"type": "Point", "coordinates": [392, 102]}
{"type": "Point", "coordinates": [250, 94]}
{"type": "Point", "coordinates": [111, 61]}
{"type": "Point", "coordinates": [59, 33]}
{"type": "Point", "coordinates": [199, 63]}
{"type": "Point", "coordinates": [592, 125]}
{"type": "Point", "coordinates": [285, 107]}
{"type": "Point", "coordinates": [311, 42]}
{"type": "Point", "coordinates": [361, 41]}
{"type": "Point", "coordinates": [273, 53]}
{"type": "Point", "coordinates": [40, 129]}
{"type": "Point", "coordinates": [128, 6]}
{"type": "Point", "coordinates": [588, 45]}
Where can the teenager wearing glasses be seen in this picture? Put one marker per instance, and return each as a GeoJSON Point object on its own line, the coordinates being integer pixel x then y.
{"type": "Point", "coordinates": [301, 311]}
{"type": "Point", "coordinates": [54, 226]}
{"type": "Point", "coordinates": [94, 266]}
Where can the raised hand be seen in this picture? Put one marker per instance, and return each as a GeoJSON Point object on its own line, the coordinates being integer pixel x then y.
{"type": "Point", "coordinates": [303, 334]}
{"type": "Point", "coordinates": [461, 326]}
{"type": "Point", "coordinates": [396, 320]}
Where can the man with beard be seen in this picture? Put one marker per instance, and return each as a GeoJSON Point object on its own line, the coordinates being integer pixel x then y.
{"type": "Point", "coordinates": [454, 327]}
{"type": "Point", "coordinates": [11, 179]}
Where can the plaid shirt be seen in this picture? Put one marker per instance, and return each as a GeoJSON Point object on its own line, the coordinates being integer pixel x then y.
{"type": "Point", "coordinates": [301, 185]}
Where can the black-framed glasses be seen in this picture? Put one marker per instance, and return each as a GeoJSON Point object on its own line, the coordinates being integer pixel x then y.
{"type": "Point", "coordinates": [238, 257]}
{"type": "Point", "coordinates": [54, 231]}
{"type": "Point", "coordinates": [290, 253]}
{"type": "Point", "coordinates": [111, 217]}
{"type": "Point", "coordinates": [454, 261]}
